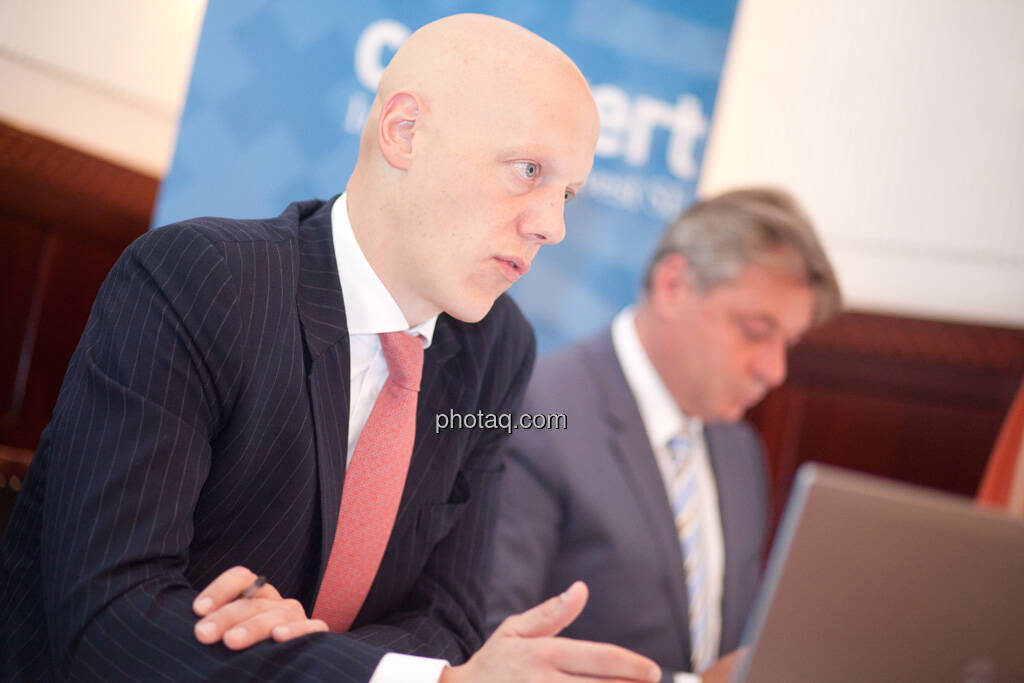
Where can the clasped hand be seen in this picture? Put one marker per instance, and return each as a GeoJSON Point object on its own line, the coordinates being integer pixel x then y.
{"type": "Point", "coordinates": [239, 623]}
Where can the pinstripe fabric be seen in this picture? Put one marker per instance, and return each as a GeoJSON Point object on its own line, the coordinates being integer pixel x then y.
{"type": "Point", "coordinates": [202, 424]}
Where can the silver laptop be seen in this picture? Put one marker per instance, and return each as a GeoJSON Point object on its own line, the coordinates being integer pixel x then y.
{"type": "Point", "coordinates": [872, 580]}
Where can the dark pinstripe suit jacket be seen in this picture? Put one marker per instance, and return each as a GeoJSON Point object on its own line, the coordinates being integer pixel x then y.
{"type": "Point", "coordinates": [589, 502]}
{"type": "Point", "coordinates": [203, 424]}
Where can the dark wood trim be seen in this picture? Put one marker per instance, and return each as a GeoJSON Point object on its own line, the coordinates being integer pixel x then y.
{"type": "Point", "coordinates": [49, 184]}
{"type": "Point", "coordinates": [65, 217]}
{"type": "Point", "coordinates": [13, 466]}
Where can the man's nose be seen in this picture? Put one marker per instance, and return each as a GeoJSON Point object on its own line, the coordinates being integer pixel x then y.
{"type": "Point", "coordinates": [770, 363]}
{"type": "Point", "coordinates": [545, 224]}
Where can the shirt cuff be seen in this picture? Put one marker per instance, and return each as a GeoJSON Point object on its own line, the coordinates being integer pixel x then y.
{"type": "Point", "coordinates": [686, 678]}
{"type": "Point", "coordinates": [398, 668]}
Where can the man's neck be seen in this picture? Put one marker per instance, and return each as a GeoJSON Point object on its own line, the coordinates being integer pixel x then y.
{"type": "Point", "coordinates": [660, 351]}
{"type": "Point", "coordinates": [375, 234]}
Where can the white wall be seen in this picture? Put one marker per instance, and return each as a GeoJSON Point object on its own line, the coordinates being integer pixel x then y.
{"type": "Point", "coordinates": [106, 76]}
{"type": "Point", "coordinates": [900, 125]}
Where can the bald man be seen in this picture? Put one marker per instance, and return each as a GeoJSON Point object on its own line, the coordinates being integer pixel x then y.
{"type": "Point", "coordinates": [210, 417]}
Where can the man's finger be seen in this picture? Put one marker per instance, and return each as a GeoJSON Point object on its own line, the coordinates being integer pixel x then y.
{"type": "Point", "coordinates": [550, 616]}
{"type": "Point", "coordinates": [584, 658]}
{"type": "Point", "coordinates": [218, 623]}
{"type": "Point", "coordinates": [222, 590]}
{"type": "Point", "coordinates": [258, 628]}
{"type": "Point", "coordinates": [286, 632]}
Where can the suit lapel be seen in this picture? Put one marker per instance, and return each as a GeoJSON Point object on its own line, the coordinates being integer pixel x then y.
{"type": "Point", "coordinates": [325, 330]}
{"type": "Point", "coordinates": [321, 309]}
{"type": "Point", "coordinates": [718, 450]}
{"type": "Point", "coordinates": [632, 448]}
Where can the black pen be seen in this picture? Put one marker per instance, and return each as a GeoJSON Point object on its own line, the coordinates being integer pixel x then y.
{"type": "Point", "coordinates": [253, 587]}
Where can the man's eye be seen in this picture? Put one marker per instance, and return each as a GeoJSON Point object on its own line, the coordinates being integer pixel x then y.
{"type": "Point", "coordinates": [755, 331]}
{"type": "Point", "coordinates": [527, 169]}
{"type": "Point", "coordinates": [570, 194]}
{"type": "Point", "coordinates": [755, 335]}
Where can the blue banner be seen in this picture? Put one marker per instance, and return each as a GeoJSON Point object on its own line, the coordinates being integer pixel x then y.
{"type": "Point", "coordinates": [281, 89]}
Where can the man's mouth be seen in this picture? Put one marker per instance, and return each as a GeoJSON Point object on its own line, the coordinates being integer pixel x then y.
{"type": "Point", "coordinates": [511, 267]}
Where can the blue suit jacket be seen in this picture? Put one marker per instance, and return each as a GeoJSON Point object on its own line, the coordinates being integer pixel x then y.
{"type": "Point", "coordinates": [203, 424]}
{"type": "Point", "coordinates": [589, 502]}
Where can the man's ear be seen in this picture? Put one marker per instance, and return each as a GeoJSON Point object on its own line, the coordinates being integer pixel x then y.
{"type": "Point", "coordinates": [396, 128]}
{"type": "Point", "coordinates": [671, 283]}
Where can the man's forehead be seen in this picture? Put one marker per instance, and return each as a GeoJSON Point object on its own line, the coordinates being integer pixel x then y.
{"type": "Point", "coordinates": [561, 137]}
{"type": "Point", "coordinates": [537, 94]}
{"type": "Point", "coordinates": [763, 289]}
{"type": "Point", "coordinates": [567, 154]}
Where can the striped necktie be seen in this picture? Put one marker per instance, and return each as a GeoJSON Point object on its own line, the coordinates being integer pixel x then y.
{"type": "Point", "coordinates": [686, 503]}
{"type": "Point", "coordinates": [373, 486]}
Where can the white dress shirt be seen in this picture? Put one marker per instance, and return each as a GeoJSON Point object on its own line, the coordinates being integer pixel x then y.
{"type": "Point", "coordinates": [663, 420]}
{"type": "Point", "coordinates": [370, 310]}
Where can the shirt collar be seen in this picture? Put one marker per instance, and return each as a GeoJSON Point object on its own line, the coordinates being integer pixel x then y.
{"type": "Point", "coordinates": [369, 306]}
{"type": "Point", "coordinates": [659, 411]}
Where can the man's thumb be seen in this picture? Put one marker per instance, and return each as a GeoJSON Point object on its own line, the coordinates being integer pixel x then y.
{"type": "Point", "coordinates": [550, 616]}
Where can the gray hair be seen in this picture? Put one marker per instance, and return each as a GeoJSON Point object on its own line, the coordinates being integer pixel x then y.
{"type": "Point", "coordinates": [718, 236]}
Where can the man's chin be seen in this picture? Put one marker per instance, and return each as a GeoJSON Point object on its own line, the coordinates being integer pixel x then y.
{"type": "Point", "coordinates": [471, 312]}
{"type": "Point", "coordinates": [729, 413]}
{"type": "Point", "coordinates": [745, 405]}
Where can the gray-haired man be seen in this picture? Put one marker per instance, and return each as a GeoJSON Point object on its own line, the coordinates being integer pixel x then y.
{"type": "Point", "coordinates": [655, 494]}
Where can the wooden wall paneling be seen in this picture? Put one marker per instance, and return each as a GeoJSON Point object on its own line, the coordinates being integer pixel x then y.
{"type": "Point", "coordinates": [71, 272]}
{"type": "Point", "coordinates": [21, 248]}
{"type": "Point", "coordinates": [65, 216]}
{"type": "Point", "coordinates": [915, 400]}
{"type": "Point", "coordinates": [67, 190]}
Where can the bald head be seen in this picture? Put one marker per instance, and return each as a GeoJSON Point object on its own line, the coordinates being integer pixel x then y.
{"type": "Point", "coordinates": [466, 59]}
{"type": "Point", "coordinates": [479, 134]}
{"type": "Point", "coordinates": [463, 66]}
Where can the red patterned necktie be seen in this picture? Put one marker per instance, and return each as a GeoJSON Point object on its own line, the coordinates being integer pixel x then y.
{"type": "Point", "coordinates": [373, 486]}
